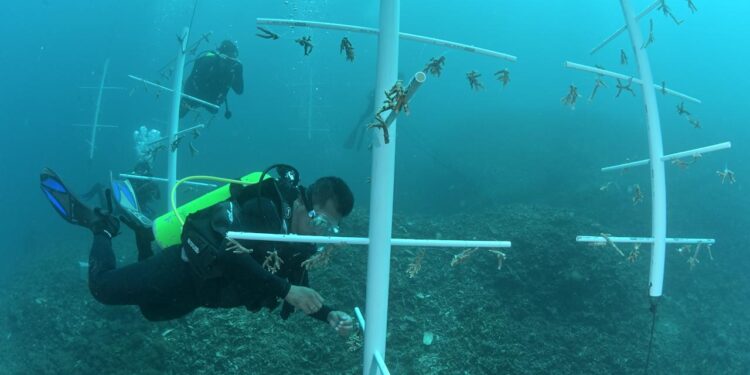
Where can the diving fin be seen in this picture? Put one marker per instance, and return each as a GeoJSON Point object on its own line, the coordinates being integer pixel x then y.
{"type": "Point", "coordinates": [126, 203]}
{"type": "Point", "coordinates": [64, 202]}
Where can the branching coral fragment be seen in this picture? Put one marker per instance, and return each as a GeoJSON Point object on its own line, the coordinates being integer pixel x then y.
{"type": "Point", "coordinates": [609, 241]}
{"type": "Point", "coordinates": [637, 194]}
{"type": "Point", "coordinates": [500, 258]}
{"type": "Point", "coordinates": [503, 76]}
{"type": "Point", "coordinates": [416, 265]}
{"type": "Point", "coordinates": [634, 253]}
{"type": "Point", "coordinates": [621, 87]}
{"type": "Point", "coordinates": [237, 248]}
{"type": "Point", "coordinates": [651, 38]}
{"type": "Point", "coordinates": [346, 46]}
{"type": "Point", "coordinates": [570, 99]}
{"type": "Point", "coordinates": [273, 262]}
{"type": "Point", "coordinates": [726, 175]}
{"type": "Point", "coordinates": [435, 66]}
{"type": "Point", "coordinates": [463, 256]}
{"type": "Point", "coordinates": [473, 77]}
{"type": "Point", "coordinates": [321, 259]}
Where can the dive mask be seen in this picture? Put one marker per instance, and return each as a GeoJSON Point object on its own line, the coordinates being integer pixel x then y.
{"type": "Point", "coordinates": [322, 224]}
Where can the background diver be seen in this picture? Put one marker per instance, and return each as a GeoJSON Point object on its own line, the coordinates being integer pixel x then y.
{"type": "Point", "coordinates": [203, 269]}
{"type": "Point", "coordinates": [213, 74]}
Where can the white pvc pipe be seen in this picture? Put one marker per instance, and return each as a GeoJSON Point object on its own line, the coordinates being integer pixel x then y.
{"type": "Point", "coordinates": [103, 88]}
{"type": "Point", "coordinates": [622, 29]}
{"type": "Point", "coordinates": [186, 96]}
{"type": "Point", "coordinates": [381, 364]}
{"type": "Point", "coordinates": [360, 318]}
{"type": "Point", "coordinates": [626, 165]}
{"type": "Point", "coordinates": [602, 240]}
{"type": "Point", "coordinates": [174, 123]}
{"type": "Point", "coordinates": [98, 126]}
{"type": "Point", "coordinates": [608, 73]}
{"type": "Point", "coordinates": [370, 30]}
{"type": "Point", "coordinates": [677, 155]}
{"type": "Point", "coordinates": [160, 179]}
{"type": "Point", "coordinates": [656, 152]}
{"type": "Point", "coordinates": [414, 85]}
{"type": "Point", "coordinates": [96, 111]}
{"type": "Point", "coordinates": [363, 241]}
{"type": "Point", "coordinates": [381, 192]}
{"type": "Point", "coordinates": [162, 139]}
{"type": "Point", "coordinates": [700, 150]}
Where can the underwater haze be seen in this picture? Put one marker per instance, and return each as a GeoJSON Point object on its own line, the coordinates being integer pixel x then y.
{"type": "Point", "coordinates": [501, 163]}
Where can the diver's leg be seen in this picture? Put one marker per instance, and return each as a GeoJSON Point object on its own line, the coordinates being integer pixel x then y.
{"type": "Point", "coordinates": [143, 240]}
{"type": "Point", "coordinates": [160, 279]}
{"type": "Point", "coordinates": [166, 311]}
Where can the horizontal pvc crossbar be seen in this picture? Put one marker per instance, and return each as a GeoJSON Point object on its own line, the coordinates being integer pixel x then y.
{"type": "Point", "coordinates": [602, 240]}
{"type": "Point", "coordinates": [363, 241]}
{"type": "Point", "coordinates": [103, 88]}
{"type": "Point", "coordinates": [370, 30]}
{"type": "Point", "coordinates": [186, 96]}
{"type": "Point", "coordinates": [595, 70]}
{"type": "Point", "coordinates": [381, 363]}
{"type": "Point", "coordinates": [98, 126]}
{"type": "Point", "coordinates": [701, 150]}
{"type": "Point", "coordinates": [414, 85]}
{"type": "Point", "coordinates": [623, 28]}
{"type": "Point", "coordinates": [160, 179]}
{"type": "Point", "coordinates": [677, 155]}
{"type": "Point", "coordinates": [162, 139]}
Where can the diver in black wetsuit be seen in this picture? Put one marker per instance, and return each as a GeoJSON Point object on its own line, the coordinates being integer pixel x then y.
{"type": "Point", "coordinates": [214, 73]}
{"type": "Point", "coordinates": [146, 191]}
{"type": "Point", "coordinates": [202, 271]}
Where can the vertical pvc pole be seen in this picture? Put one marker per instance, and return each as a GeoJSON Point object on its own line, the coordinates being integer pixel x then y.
{"type": "Point", "coordinates": [174, 123]}
{"type": "Point", "coordinates": [381, 193]}
{"type": "Point", "coordinates": [96, 111]}
{"type": "Point", "coordinates": [656, 152]}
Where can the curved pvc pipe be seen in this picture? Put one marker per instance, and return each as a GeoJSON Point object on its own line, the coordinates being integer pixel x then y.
{"type": "Point", "coordinates": [608, 73]}
{"type": "Point", "coordinates": [656, 152]}
{"type": "Point", "coordinates": [370, 30]}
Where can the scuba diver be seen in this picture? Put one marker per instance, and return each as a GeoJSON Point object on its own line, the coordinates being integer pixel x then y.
{"type": "Point", "coordinates": [214, 73]}
{"type": "Point", "coordinates": [199, 266]}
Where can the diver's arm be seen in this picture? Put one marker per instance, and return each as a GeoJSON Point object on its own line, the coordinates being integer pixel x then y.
{"type": "Point", "coordinates": [238, 83]}
{"type": "Point", "coordinates": [243, 268]}
{"type": "Point", "coordinates": [287, 309]}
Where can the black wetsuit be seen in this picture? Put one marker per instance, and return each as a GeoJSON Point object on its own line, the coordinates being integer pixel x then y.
{"type": "Point", "coordinates": [166, 286]}
{"type": "Point", "coordinates": [212, 76]}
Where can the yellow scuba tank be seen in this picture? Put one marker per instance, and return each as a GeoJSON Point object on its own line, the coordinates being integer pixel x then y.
{"type": "Point", "coordinates": [168, 227]}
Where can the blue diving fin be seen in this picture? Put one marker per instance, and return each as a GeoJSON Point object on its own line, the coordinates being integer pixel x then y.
{"type": "Point", "coordinates": [63, 200]}
{"type": "Point", "coordinates": [126, 204]}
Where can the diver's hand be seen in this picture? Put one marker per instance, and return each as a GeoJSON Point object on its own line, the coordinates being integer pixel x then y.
{"type": "Point", "coordinates": [341, 322]}
{"type": "Point", "coordinates": [305, 299]}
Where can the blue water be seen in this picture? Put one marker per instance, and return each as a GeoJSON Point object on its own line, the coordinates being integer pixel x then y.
{"type": "Point", "coordinates": [457, 151]}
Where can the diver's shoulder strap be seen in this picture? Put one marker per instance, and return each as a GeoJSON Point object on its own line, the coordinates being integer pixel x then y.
{"type": "Point", "coordinates": [203, 236]}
